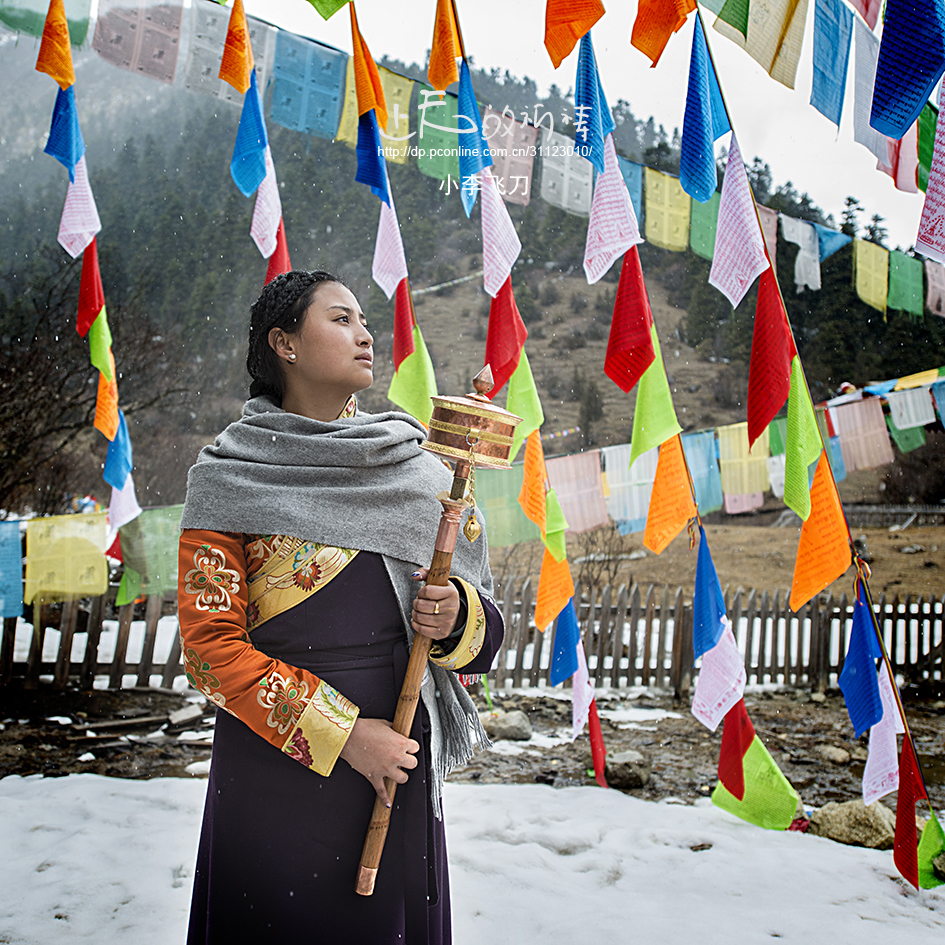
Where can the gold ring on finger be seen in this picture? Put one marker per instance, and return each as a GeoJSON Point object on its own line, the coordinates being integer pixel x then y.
{"type": "Point", "coordinates": [436, 607]}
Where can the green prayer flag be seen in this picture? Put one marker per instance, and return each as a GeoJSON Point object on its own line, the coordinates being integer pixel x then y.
{"type": "Point", "coordinates": [415, 383]}
{"type": "Point", "coordinates": [928, 120]}
{"type": "Point", "coordinates": [803, 444]}
{"type": "Point", "coordinates": [735, 13]}
{"type": "Point", "coordinates": [931, 845]}
{"type": "Point", "coordinates": [714, 5]}
{"type": "Point", "coordinates": [100, 342]}
{"type": "Point", "coordinates": [523, 401]}
{"type": "Point", "coordinates": [654, 416]}
{"type": "Point", "coordinates": [906, 440]}
{"type": "Point", "coordinates": [703, 222]}
{"type": "Point", "coordinates": [777, 436]}
{"type": "Point", "coordinates": [905, 284]}
{"type": "Point", "coordinates": [438, 150]}
{"type": "Point", "coordinates": [497, 498]}
{"type": "Point", "coordinates": [149, 545]}
{"type": "Point", "coordinates": [328, 8]}
{"type": "Point", "coordinates": [29, 16]}
{"type": "Point", "coordinates": [770, 801]}
{"type": "Point", "coordinates": [555, 526]}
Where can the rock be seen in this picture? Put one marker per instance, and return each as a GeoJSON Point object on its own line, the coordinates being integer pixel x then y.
{"type": "Point", "coordinates": [627, 769]}
{"type": "Point", "coordinates": [938, 865]}
{"type": "Point", "coordinates": [855, 824]}
{"type": "Point", "coordinates": [833, 754]}
{"type": "Point", "coordinates": [817, 697]}
{"type": "Point", "coordinates": [859, 753]}
{"type": "Point", "coordinates": [513, 726]}
{"type": "Point", "coordinates": [912, 549]}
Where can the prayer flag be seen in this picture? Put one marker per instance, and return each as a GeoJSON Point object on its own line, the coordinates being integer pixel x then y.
{"type": "Point", "coordinates": [80, 220]}
{"type": "Point", "coordinates": [11, 570]}
{"type": "Point", "coordinates": [534, 492]}
{"type": "Point", "coordinates": [654, 416]}
{"type": "Point", "coordinates": [523, 402]}
{"type": "Point", "coordinates": [743, 468]}
{"type": "Point", "coordinates": [555, 589]}
{"type": "Point", "coordinates": [803, 446]}
{"type": "Point", "coordinates": [438, 136]}
{"type": "Point", "coordinates": [871, 273]}
{"type": "Point", "coordinates": [592, 118]}
{"type": "Point", "coordinates": [236, 66]}
{"type": "Point", "coordinates": [583, 695]}
{"type": "Point", "coordinates": [279, 261]}
{"type": "Point", "coordinates": [566, 178]}
{"type": "Point", "coordinates": [566, 21]}
{"type": "Point", "coordinates": [656, 21]}
{"type": "Point", "coordinates": [772, 353]}
{"type": "Point", "coordinates": [902, 164]}
{"type": "Point", "coordinates": [556, 525]}
{"type": "Point", "coordinates": [327, 8]}
{"type": "Point", "coordinates": [830, 241]}
{"type": "Point", "coordinates": [769, 230]}
{"type": "Point", "coordinates": [55, 54]}
{"type": "Point", "coordinates": [403, 323]}
{"type": "Point", "coordinates": [719, 687]}
{"type": "Point", "coordinates": [91, 292]}
{"type": "Point", "coordinates": [633, 178]}
{"type": "Point", "coordinates": [367, 82]}
{"type": "Point", "coordinates": [869, 10]}
{"type": "Point", "coordinates": [578, 489]}
{"type": "Point", "coordinates": [612, 229]}
{"type": "Point", "coordinates": [823, 552]}
{"type": "Point", "coordinates": [131, 37]}
{"type": "Point", "coordinates": [414, 383]}
{"type": "Point", "coordinates": [389, 268]}
{"type": "Point", "coordinates": [881, 774]}
{"type": "Point", "coordinates": [500, 243]}
{"type": "Point", "coordinates": [739, 256]}
{"type": "Point", "coordinates": [708, 604]}
{"type": "Point", "coordinates": [703, 226]}
{"type": "Point", "coordinates": [667, 211]}
{"type": "Point", "coordinates": [864, 75]}
{"type": "Point", "coordinates": [737, 736]}
{"type": "Point", "coordinates": [267, 214]}
{"type": "Point", "coordinates": [447, 46]}
{"type": "Point", "coordinates": [248, 164]}
{"type": "Point", "coordinates": [705, 120]}
{"type": "Point", "coordinates": [564, 660]}
{"type": "Point", "coordinates": [911, 62]}
{"type": "Point", "coordinates": [29, 17]}
{"type": "Point", "coordinates": [833, 33]}
{"type": "Point", "coordinates": [704, 470]}
{"type": "Point", "coordinates": [911, 789]}
{"type": "Point", "coordinates": [858, 680]}
{"type": "Point", "coordinates": [905, 284]}
{"type": "Point", "coordinates": [598, 751]}
{"type": "Point", "coordinates": [931, 847]}
{"type": "Point", "coordinates": [671, 504]}
{"type": "Point", "coordinates": [630, 487]}
{"type": "Point", "coordinates": [505, 338]}
{"type": "Point", "coordinates": [372, 166]}
{"type": "Point", "coordinates": [771, 34]}
{"type": "Point", "coordinates": [118, 461]}
{"type": "Point", "coordinates": [474, 150]}
{"type": "Point", "coordinates": [864, 438]}
{"type": "Point", "coordinates": [935, 280]}
{"type": "Point", "coordinates": [928, 119]}
{"type": "Point", "coordinates": [513, 150]}
{"type": "Point", "coordinates": [106, 404]}
{"type": "Point", "coordinates": [65, 557]}
{"type": "Point", "coordinates": [100, 346]}
{"type": "Point", "coordinates": [497, 492]}
{"type": "Point", "coordinates": [807, 263]}
{"type": "Point", "coordinates": [911, 408]}
{"type": "Point", "coordinates": [65, 142]}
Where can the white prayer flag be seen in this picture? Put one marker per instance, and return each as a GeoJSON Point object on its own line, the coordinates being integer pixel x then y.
{"type": "Point", "coordinates": [721, 682]}
{"type": "Point", "coordinates": [390, 263]}
{"type": "Point", "coordinates": [500, 243]}
{"type": "Point", "coordinates": [931, 239]}
{"type": "Point", "coordinates": [122, 509]}
{"type": "Point", "coordinates": [583, 693]}
{"type": "Point", "coordinates": [881, 775]}
{"type": "Point", "coordinates": [864, 75]}
{"type": "Point", "coordinates": [739, 256]}
{"type": "Point", "coordinates": [268, 210]}
{"type": "Point", "coordinates": [807, 264]}
{"type": "Point", "coordinates": [613, 226]}
{"type": "Point", "coordinates": [80, 221]}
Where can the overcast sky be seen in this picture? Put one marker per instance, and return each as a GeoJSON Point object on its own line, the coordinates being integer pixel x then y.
{"type": "Point", "coordinates": [770, 120]}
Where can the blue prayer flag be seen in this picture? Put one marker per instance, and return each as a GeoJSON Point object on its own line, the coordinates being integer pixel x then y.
{"type": "Point", "coordinates": [911, 61]}
{"type": "Point", "coordinates": [938, 398]}
{"type": "Point", "coordinates": [564, 661]}
{"type": "Point", "coordinates": [705, 120]}
{"type": "Point", "coordinates": [372, 166]}
{"type": "Point", "coordinates": [858, 679]}
{"type": "Point", "coordinates": [118, 460]}
{"type": "Point", "coordinates": [829, 241]}
{"type": "Point", "coordinates": [65, 142]}
{"type": "Point", "coordinates": [248, 166]}
{"type": "Point", "coordinates": [883, 387]}
{"type": "Point", "coordinates": [833, 33]}
{"type": "Point", "coordinates": [633, 178]}
{"type": "Point", "coordinates": [835, 456]}
{"type": "Point", "coordinates": [473, 148]}
{"type": "Point", "coordinates": [703, 463]}
{"type": "Point", "coordinates": [708, 604]}
{"type": "Point", "coordinates": [11, 570]}
{"type": "Point", "coordinates": [592, 118]}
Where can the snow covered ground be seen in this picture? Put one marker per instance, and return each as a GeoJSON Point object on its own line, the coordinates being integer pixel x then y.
{"type": "Point", "coordinates": [110, 861]}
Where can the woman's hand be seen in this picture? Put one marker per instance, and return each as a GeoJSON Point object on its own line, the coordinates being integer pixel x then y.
{"type": "Point", "coordinates": [435, 609]}
{"type": "Point", "coordinates": [376, 751]}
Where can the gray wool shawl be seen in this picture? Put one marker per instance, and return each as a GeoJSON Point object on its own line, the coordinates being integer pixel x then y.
{"type": "Point", "coordinates": [359, 482]}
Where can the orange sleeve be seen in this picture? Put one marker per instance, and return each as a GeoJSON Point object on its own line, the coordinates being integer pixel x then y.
{"type": "Point", "coordinates": [291, 708]}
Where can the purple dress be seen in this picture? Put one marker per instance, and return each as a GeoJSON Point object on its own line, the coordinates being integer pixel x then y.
{"type": "Point", "coordinates": [280, 844]}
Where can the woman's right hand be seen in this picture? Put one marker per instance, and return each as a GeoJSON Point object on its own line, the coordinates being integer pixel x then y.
{"type": "Point", "coordinates": [376, 751]}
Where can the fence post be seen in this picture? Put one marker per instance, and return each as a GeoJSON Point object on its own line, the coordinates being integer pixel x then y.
{"type": "Point", "coordinates": [648, 636]}
{"type": "Point", "coordinates": [90, 663]}
{"type": "Point", "coordinates": [616, 654]}
{"type": "Point", "coordinates": [749, 632]}
{"type": "Point", "coordinates": [522, 633]}
{"type": "Point", "coordinates": [508, 601]}
{"type": "Point", "coordinates": [6, 650]}
{"type": "Point", "coordinates": [152, 614]}
{"type": "Point", "coordinates": [67, 622]}
{"type": "Point", "coordinates": [634, 630]}
{"type": "Point", "coordinates": [35, 657]}
{"type": "Point", "coordinates": [125, 614]}
{"type": "Point", "coordinates": [172, 666]}
{"type": "Point", "coordinates": [603, 638]}
{"type": "Point", "coordinates": [660, 678]}
{"type": "Point", "coordinates": [763, 637]}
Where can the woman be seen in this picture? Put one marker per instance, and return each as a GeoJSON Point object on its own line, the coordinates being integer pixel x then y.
{"type": "Point", "coordinates": [303, 531]}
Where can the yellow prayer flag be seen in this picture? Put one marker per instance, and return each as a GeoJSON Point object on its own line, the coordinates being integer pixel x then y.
{"type": "Point", "coordinates": [447, 45]}
{"type": "Point", "coordinates": [871, 273]}
{"type": "Point", "coordinates": [555, 589]}
{"type": "Point", "coordinates": [65, 557]}
{"type": "Point", "coordinates": [775, 34]}
{"type": "Point", "coordinates": [671, 503]}
{"type": "Point", "coordinates": [55, 53]}
{"type": "Point", "coordinates": [667, 211]}
{"type": "Point", "coordinates": [397, 92]}
{"type": "Point", "coordinates": [237, 63]}
{"type": "Point", "coordinates": [917, 380]}
{"type": "Point", "coordinates": [743, 470]}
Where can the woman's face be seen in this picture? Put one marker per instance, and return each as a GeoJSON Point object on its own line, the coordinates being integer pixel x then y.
{"type": "Point", "coordinates": [333, 349]}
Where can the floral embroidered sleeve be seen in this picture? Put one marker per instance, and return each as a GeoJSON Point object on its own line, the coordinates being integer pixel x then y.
{"type": "Point", "coordinates": [291, 708]}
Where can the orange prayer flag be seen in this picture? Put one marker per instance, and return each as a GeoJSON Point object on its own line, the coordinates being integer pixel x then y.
{"type": "Point", "coordinates": [656, 21]}
{"type": "Point", "coordinates": [367, 81]}
{"type": "Point", "coordinates": [555, 589]}
{"type": "Point", "coordinates": [671, 503]}
{"type": "Point", "coordinates": [534, 481]}
{"type": "Point", "coordinates": [566, 21]}
{"type": "Point", "coordinates": [237, 62]}
{"type": "Point", "coordinates": [106, 404]}
{"type": "Point", "coordinates": [55, 53]}
{"type": "Point", "coordinates": [823, 553]}
{"type": "Point", "coordinates": [447, 45]}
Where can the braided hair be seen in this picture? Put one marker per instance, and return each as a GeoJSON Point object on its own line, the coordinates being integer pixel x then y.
{"type": "Point", "coordinates": [282, 303]}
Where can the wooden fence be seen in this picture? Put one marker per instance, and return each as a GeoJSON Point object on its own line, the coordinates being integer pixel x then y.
{"type": "Point", "coordinates": [633, 636]}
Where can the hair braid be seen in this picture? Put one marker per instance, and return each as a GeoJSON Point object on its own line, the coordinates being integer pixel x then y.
{"type": "Point", "coordinates": [282, 303]}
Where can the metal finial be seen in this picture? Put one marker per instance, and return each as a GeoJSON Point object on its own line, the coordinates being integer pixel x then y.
{"type": "Point", "coordinates": [483, 382]}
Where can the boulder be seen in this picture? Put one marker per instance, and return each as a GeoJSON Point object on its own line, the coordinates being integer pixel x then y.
{"type": "Point", "coordinates": [627, 769]}
{"type": "Point", "coordinates": [833, 754]}
{"type": "Point", "coordinates": [513, 725]}
{"type": "Point", "coordinates": [855, 824]}
{"type": "Point", "coordinates": [818, 697]}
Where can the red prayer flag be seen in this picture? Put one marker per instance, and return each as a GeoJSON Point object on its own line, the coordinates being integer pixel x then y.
{"type": "Point", "coordinates": [598, 750]}
{"type": "Point", "coordinates": [279, 261]}
{"type": "Point", "coordinates": [737, 735]}
{"type": "Point", "coordinates": [403, 323]}
{"type": "Point", "coordinates": [91, 293]}
{"type": "Point", "coordinates": [630, 346]}
{"type": "Point", "coordinates": [772, 351]}
{"type": "Point", "coordinates": [911, 789]}
{"type": "Point", "coordinates": [507, 334]}
{"type": "Point", "coordinates": [566, 21]}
